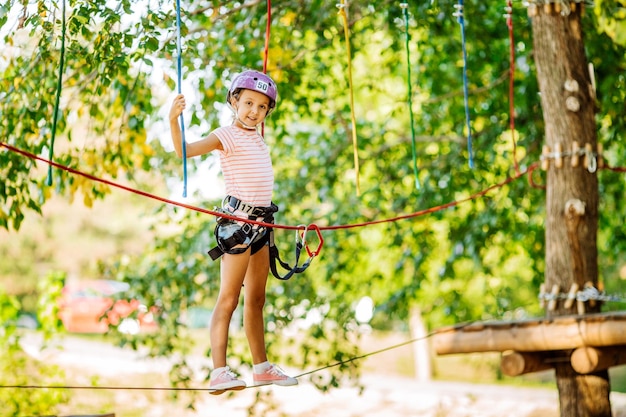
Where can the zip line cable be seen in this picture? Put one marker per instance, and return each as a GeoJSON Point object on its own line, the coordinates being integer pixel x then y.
{"type": "Point", "coordinates": [405, 12]}
{"type": "Point", "coordinates": [59, 89]}
{"type": "Point", "coordinates": [179, 71]}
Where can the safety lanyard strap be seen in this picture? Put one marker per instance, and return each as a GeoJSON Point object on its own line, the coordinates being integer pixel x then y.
{"type": "Point", "coordinates": [275, 256]}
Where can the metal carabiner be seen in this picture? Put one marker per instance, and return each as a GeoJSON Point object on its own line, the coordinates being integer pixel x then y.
{"type": "Point", "coordinates": [317, 229]}
{"type": "Point", "coordinates": [301, 237]}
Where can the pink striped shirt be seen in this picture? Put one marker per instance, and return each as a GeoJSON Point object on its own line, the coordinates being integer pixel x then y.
{"type": "Point", "coordinates": [246, 165]}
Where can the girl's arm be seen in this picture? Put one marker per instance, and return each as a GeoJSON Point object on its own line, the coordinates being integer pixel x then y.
{"type": "Point", "coordinates": [206, 145]}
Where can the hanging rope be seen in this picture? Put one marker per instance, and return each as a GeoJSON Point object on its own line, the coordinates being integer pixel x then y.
{"type": "Point", "coordinates": [342, 12]}
{"type": "Point", "coordinates": [267, 36]}
{"type": "Point", "coordinates": [509, 23]}
{"type": "Point", "coordinates": [405, 12]}
{"type": "Point", "coordinates": [179, 63]}
{"type": "Point", "coordinates": [57, 100]}
{"type": "Point", "coordinates": [459, 15]}
{"type": "Point", "coordinates": [266, 50]}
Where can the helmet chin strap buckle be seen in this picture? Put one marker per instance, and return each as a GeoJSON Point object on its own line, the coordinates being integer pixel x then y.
{"type": "Point", "coordinates": [245, 125]}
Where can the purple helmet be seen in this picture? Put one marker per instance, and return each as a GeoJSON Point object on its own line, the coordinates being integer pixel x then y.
{"type": "Point", "coordinates": [255, 81]}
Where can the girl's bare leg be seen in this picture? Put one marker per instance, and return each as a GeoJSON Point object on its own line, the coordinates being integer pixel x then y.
{"type": "Point", "coordinates": [232, 273]}
{"type": "Point", "coordinates": [254, 301]}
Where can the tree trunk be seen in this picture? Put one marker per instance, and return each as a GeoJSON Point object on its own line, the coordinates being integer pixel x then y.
{"type": "Point", "coordinates": [568, 104]}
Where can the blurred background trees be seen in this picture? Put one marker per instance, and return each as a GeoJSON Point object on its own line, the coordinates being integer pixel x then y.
{"type": "Point", "coordinates": [477, 260]}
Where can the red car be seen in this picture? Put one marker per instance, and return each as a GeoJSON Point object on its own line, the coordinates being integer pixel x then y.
{"type": "Point", "coordinates": [89, 307]}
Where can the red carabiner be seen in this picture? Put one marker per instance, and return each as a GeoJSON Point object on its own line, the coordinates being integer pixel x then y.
{"type": "Point", "coordinates": [315, 227]}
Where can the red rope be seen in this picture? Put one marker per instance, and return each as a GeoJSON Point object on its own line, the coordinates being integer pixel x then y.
{"type": "Point", "coordinates": [615, 169]}
{"type": "Point", "coordinates": [266, 50]}
{"type": "Point", "coordinates": [267, 35]}
{"type": "Point", "coordinates": [135, 191]}
{"type": "Point", "coordinates": [508, 180]}
{"type": "Point", "coordinates": [509, 23]}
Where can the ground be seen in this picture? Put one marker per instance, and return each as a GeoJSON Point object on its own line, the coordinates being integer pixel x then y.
{"type": "Point", "coordinates": [89, 361]}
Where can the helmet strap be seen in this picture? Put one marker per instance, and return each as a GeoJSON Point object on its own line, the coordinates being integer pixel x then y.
{"type": "Point", "coordinates": [237, 119]}
{"type": "Point", "coordinates": [244, 125]}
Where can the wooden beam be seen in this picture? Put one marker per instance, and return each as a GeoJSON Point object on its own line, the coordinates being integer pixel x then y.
{"type": "Point", "coordinates": [586, 360]}
{"type": "Point", "coordinates": [91, 415]}
{"type": "Point", "coordinates": [520, 363]}
{"type": "Point", "coordinates": [558, 333]}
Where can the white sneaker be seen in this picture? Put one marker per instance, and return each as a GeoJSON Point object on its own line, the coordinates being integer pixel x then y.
{"type": "Point", "coordinates": [225, 380]}
{"type": "Point", "coordinates": [273, 375]}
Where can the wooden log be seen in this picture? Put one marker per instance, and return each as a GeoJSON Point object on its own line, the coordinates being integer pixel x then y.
{"type": "Point", "coordinates": [586, 360]}
{"type": "Point", "coordinates": [91, 415]}
{"type": "Point", "coordinates": [520, 363]}
{"type": "Point", "coordinates": [562, 333]}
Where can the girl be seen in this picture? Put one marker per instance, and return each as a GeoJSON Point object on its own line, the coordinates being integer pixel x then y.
{"type": "Point", "coordinates": [249, 180]}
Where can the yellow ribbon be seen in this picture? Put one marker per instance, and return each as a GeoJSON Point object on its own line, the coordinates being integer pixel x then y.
{"type": "Point", "coordinates": [346, 29]}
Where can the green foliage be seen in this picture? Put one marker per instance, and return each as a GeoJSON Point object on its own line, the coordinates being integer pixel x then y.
{"type": "Point", "coordinates": [104, 102]}
{"type": "Point", "coordinates": [612, 19]}
{"type": "Point", "coordinates": [49, 289]}
{"type": "Point", "coordinates": [17, 368]}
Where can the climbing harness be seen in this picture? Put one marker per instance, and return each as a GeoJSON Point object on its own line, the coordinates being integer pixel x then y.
{"type": "Point", "coordinates": [236, 236]}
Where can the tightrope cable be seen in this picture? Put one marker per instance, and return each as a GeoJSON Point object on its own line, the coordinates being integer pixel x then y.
{"type": "Point", "coordinates": [179, 64]}
{"type": "Point", "coordinates": [460, 18]}
{"type": "Point", "coordinates": [319, 369]}
{"type": "Point", "coordinates": [405, 12]}
{"type": "Point", "coordinates": [57, 99]}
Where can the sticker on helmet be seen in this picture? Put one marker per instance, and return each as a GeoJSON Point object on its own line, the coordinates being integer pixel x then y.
{"type": "Point", "coordinates": [262, 85]}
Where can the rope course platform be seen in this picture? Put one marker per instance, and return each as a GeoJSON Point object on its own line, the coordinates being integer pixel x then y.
{"type": "Point", "coordinates": [591, 342]}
